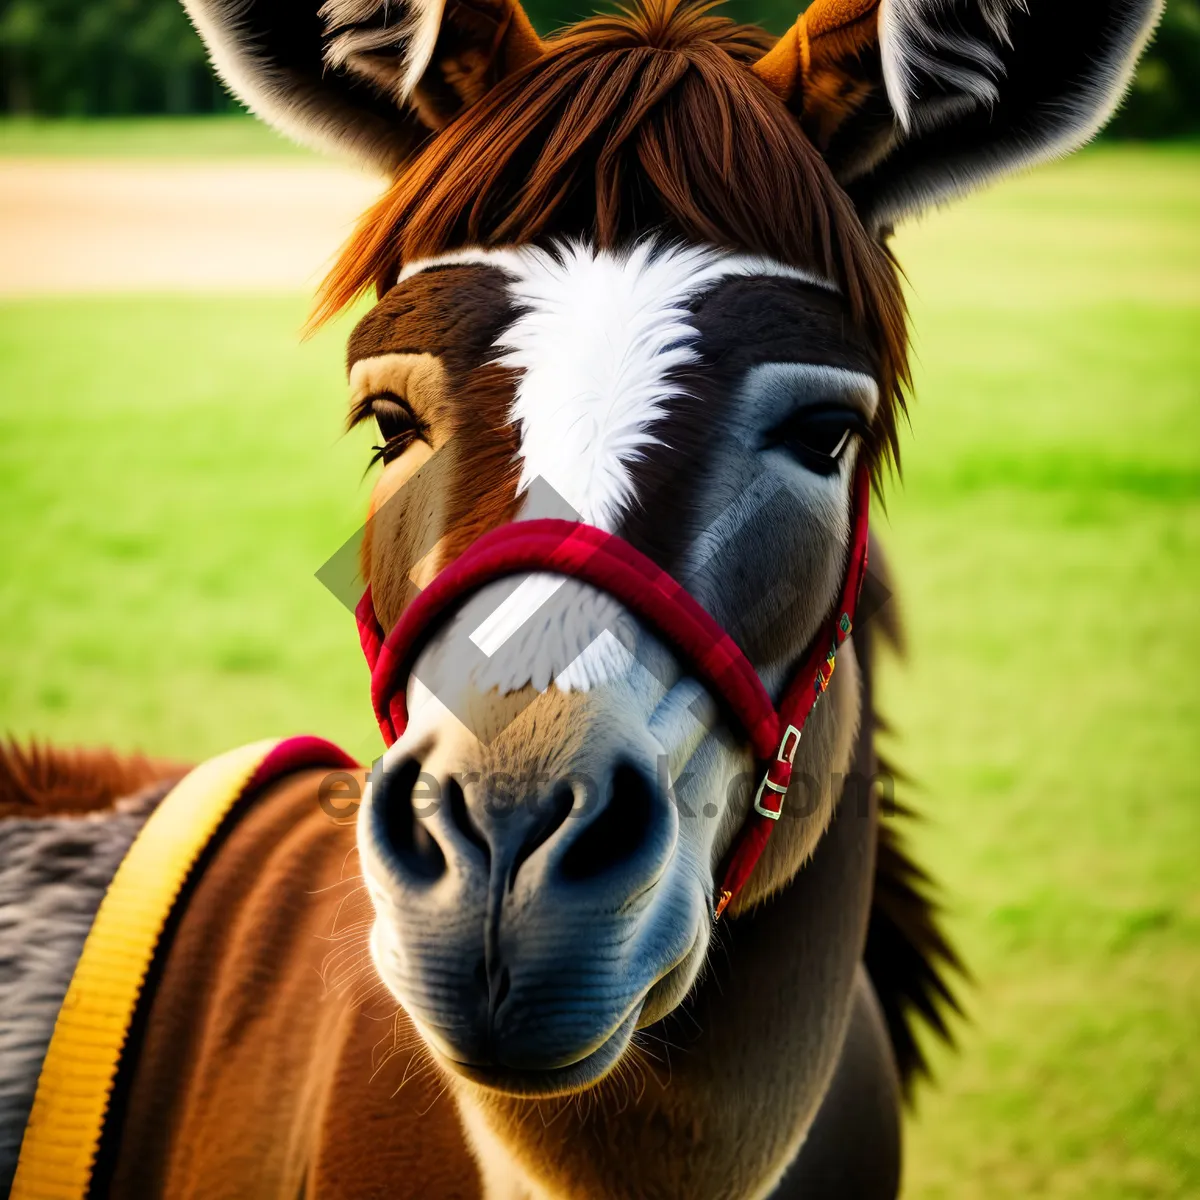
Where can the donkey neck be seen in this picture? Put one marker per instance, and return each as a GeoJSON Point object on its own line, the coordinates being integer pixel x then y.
{"type": "Point", "coordinates": [727, 1087]}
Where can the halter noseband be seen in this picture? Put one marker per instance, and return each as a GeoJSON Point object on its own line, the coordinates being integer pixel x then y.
{"type": "Point", "coordinates": [610, 564]}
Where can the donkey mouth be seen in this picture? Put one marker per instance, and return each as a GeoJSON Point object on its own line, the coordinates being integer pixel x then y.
{"type": "Point", "coordinates": [547, 1083]}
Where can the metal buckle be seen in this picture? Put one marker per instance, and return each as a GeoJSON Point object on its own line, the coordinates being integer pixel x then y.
{"type": "Point", "coordinates": [773, 814]}
{"type": "Point", "coordinates": [783, 754]}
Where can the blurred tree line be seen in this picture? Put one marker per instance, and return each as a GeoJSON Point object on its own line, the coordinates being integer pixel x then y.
{"type": "Point", "coordinates": [61, 57]}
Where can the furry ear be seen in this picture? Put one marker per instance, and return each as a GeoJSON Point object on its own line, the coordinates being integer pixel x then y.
{"type": "Point", "coordinates": [371, 77]}
{"type": "Point", "coordinates": [915, 101]}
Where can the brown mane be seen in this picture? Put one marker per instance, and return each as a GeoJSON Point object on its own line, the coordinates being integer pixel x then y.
{"type": "Point", "coordinates": [38, 780]}
{"type": "Point", "coordinates": [643, 121]}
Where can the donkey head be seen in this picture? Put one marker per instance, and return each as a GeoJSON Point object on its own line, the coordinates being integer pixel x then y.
{"type": "Point", "coordinates": [633, 275]}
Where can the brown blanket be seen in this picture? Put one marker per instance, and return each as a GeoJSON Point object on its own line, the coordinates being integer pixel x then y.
{"type": "Point", "coordinates": [269, 1061]}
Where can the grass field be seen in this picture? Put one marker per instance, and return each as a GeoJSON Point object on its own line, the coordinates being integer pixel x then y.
{"type": "Point", "coordinates": [1048, 542]}
{"type": "Point", "coordinates": [172, 473]}
{"type": "Point", "coordinates": [235, 135]}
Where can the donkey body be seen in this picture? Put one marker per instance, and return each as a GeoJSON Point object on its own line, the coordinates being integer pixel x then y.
{"type": "Point", "coordinates": [330, 1070]}
{"type": "Point", "coordinates": [635, 275]}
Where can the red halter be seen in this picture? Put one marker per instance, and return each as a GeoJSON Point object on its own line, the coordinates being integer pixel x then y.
{"type": "Point", "coordinates": [611, 564]}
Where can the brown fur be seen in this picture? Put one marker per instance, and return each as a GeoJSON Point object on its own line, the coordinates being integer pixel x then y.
{"type": "Point", "coordinates": [629, 123]}
{"type": "Point", "coordinates": [38, 780]}
{"type": "Point", "coordinates": [455, 313]}
{"type": "Point", "coordinates": [470, 485]}
{"type": "Point", "coordinates": [479, 42]}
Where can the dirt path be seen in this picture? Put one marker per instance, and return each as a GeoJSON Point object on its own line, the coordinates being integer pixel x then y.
{"type": "Point", "coordinates": [80, 226]}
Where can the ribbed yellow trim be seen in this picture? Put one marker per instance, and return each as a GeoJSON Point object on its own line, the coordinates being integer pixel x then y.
{"type": "Point", "coordinates": [69, 1108]}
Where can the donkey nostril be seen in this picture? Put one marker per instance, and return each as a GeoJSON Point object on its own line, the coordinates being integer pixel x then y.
{"type": "Point", "coordinates": [618, 832]}
{"type": "Point", "coordinates": [400, 830]}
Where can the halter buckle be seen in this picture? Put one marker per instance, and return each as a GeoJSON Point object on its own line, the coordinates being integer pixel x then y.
{"type": "Point", "coordinates": [788, 745]}
{"type": "Point", "coordinates": [784, 754]}
{"type": "Point", "coordinates": [773, 813]}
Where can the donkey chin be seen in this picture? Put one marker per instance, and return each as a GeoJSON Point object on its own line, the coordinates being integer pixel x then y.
{"type": "Point", "coordinates": [540, 891]}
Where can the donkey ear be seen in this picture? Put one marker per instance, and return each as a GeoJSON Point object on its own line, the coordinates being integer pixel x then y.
{"type": "Point", "coordinates": [915, 101]}
{"type": "Point", "coordinates": [371, 77]}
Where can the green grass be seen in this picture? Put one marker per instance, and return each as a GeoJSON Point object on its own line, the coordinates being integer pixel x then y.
{"type": "Point", "coordinates": [233, 135]}
{"type": "Point", "coordinates": [171, 474]}
{"type": "Point", "coordinates": [1047, 540]}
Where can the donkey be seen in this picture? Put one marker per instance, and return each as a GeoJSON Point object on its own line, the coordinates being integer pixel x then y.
{"type": "Point", "coordinates": [636, 276]}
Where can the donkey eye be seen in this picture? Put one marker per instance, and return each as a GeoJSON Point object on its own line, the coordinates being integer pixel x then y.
{"type": "Point", "coordinates": [398, 425]}
{"type": "Point", "coordinates": [394, 419]}
{"type": "Point", "coordinates": [817, 439]}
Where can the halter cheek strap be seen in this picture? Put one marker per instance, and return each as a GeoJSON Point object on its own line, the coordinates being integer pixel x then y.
{"type": "Point", "coordinates": [610, 564]}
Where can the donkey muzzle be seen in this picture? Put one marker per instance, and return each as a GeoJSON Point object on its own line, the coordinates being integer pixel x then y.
{"type": "Point", "coordinates": [528, 900]}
